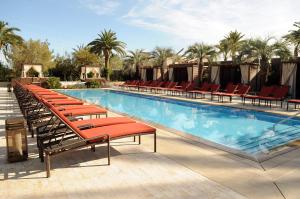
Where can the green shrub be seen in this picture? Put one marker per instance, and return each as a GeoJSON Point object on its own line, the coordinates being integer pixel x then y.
{"type": "Point", "coordinates": [53, 83]}
{"type": "Point", "coordinates": [32, 73]}
{"type": "Point", "coordinates": [90, 74]}
{"type": "Point", "coordinates": [93, 84]}
{"type": "Point", "coordinates": [76, 86]}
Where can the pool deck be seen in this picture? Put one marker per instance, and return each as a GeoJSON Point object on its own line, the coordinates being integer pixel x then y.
{"type": "Point", "coordinates": [182, 168]}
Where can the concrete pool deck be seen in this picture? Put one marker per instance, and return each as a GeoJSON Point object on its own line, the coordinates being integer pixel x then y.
{"type": "Point", "coordinates": [182, 168]}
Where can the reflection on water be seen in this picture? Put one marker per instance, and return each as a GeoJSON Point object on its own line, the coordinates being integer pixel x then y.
{"type": "Point", "coordinates": [231, 127]}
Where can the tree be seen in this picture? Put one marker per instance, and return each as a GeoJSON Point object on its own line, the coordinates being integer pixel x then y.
{"type": "Point", "coordinates": [136, 59]}
{"type": "Point", "coordinates": [201, 52]}
{"type": "Point", "coordinates": [224, 48]}
{"type": "Point", "coordinates": [31, 52]}
{"type": "Point", "coordinates": [263, 50]}
{"type": "Point", "coordinates": [160, 57]}
{"type": "Point", "coordinates": [64, 68]}
{"type": "Point", "coordinates": [294, 38]}
{"type": "Point", "coordinates": [234, 41]}
{"type": "Point", "coordinates": [8, 38]}
{"type": "Point", "coordinates": [83, 56]}
{"type": "Point", "coordinates": [106, 44]}
{"type": "Point", "coordinates": [5, 73]}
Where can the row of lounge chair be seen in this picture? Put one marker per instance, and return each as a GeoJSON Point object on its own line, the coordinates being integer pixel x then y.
{"type": "Point", "coordinates": [60, 123]}
{"type": "Point", "coordinates": [268, 94]}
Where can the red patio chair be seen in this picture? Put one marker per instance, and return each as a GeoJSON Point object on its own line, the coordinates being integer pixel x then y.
{"type": "Point", "coordinates": [265, 91]}
{"type": "Point", "coordinates": [279, 94]}
{"type": "Point", "coordinates": [230, 89]}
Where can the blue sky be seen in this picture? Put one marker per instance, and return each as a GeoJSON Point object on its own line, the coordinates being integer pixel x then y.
{"type": "Point", "coordinates": [147, 23]}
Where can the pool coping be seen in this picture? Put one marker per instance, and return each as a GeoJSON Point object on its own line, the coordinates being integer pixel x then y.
{"type": "Point", "coordinates": [259, 157]}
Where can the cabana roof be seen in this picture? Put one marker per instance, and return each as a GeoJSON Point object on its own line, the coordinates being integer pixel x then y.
{"type": "Point", "coordinates": [148, 67]}
{"type": "Point", "coordinates": [219, 63]}
{"type": "Point", "coordinates": [293, 60]}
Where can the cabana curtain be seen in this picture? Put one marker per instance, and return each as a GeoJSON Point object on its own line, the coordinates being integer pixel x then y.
{"type": "Point", "coordinates": [158, 74]}
{"type": "Point", "coordinates": [215, 74]}
{"type": "Point", "coordinates": [245, 74]}
{"type": "Point", "coordinates": [190, 73]}
{"type": "Point", "coordinates": [288, 77]}
{"type": "Point", "coordinates": [254, 70]}
{"type": "Point", "coordinates": [171, 74]}
{"type": "Point", "coordinates": [143, 74]}
{"type": "Point", "coordinates": [154, 74]}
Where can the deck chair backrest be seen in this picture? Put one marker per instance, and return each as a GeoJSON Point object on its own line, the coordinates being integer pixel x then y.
{"type": "Point", "coordinates": [191, 86]}
{"type": "Point", "coordinates": [62, 118]}
{"type": "Point", "coordinates": [214, 87]}
{"type": "Point", "coordinates": [281, 92]}
{"type": "Point", "coordinates": [243, 89]}
{"type": "Point", "coordinates": [266, 91]}
{"type": "Point", "coordinates": [160, 84]}
{"type": "Point", "coordinates": [231, 88]}
{"type": "Point", "coordinates": [166, 84]}
{"type": "Point", "coordinates": [205, 86]}
{"type": "Point", "coordinates": [172, 85]}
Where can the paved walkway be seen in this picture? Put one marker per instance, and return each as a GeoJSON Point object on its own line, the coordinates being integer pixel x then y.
{"type": "Point", "coordinates": [135, 172]}
{"type": "Point", "coordinates": [182, 168]}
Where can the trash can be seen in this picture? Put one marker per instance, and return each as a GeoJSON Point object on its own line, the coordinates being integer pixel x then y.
{"type": "Point", "coordinates": [16, 139]}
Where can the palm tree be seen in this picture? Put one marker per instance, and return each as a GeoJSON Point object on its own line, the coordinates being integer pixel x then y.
{"type": "Point", "coordinates": [106, 44]}
{"type": "Point", "coordinates": [263, 50]}
{"type": "Point", "coordinates": [234, 41]}
{"type": "Point", "coordinates": [294, 38]}
{"type": "Point", "coordinates": [223, 48]}
{"type": "Point", "coordinates": [136, 59]}
{"type": "Point", "coordinates": [160, 56]}
{"type": "Point", "coordinates": [8, 37]}
{"type": "Point", "coordinates": [201, 52]}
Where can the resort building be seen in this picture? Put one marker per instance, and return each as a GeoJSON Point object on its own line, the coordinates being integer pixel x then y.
{"type": "Point", "coordinates": [90, 72]}
{"type": "Point", "coordinates": [218, 119]}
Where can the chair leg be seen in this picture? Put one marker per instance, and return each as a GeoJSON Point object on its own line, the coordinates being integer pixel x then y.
{"type": "Point", "coordinates": [108, 152]}
{"type": "Point", "coordinates": [155, 142]}
{"type": "Point", "coordinates": [47, 164]}
{"type": "Point", "coordinates": [93, 148]}
{"type": "Point", "coordinates": [41, 154]}
{"type": "Point", "coordinates": [139, 139]}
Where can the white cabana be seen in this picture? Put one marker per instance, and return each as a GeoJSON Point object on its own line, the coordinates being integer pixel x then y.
{"type": "Point", "coordinates": [37, 67]}
{"type": "Point", "coordinates": [289, 75]}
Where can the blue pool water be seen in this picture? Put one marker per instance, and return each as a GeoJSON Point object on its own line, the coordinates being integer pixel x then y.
{"type": "Point", "coordinates": [248, 131]}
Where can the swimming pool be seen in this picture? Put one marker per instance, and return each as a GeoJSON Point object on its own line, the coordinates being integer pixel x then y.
{"type": "Point", "coordinates": [248, 131]}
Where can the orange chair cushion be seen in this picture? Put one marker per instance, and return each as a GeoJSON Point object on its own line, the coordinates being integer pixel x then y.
{"type": "Point", "coordinates": [84, 111]}
{"type": "Point", "coordinates": [118, 130]}
{"type": "Point", "coordinates": [103, 121]}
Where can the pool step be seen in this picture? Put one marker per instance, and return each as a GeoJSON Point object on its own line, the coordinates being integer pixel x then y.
{"type": "Point", "coordinates": [280, 138]}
